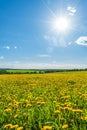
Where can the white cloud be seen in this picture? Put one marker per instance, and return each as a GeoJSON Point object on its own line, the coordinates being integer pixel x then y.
{"type": "Point", "coordinates": [82, 40]}
{"type": "Point", "coordinates": [69, 43]}
{"type": "Point", "coordinates": [15, 47]}
{"type": "Point", "coordinates": [7, 47]}
{"type": "Point", "coordinates": [44, 55]}
{"type": "Point", "coordinates": [1, 57]}
{"type": "Point", "coordinates": [71, 10]}
{"type": "Point", "coordinates": [52, 65]}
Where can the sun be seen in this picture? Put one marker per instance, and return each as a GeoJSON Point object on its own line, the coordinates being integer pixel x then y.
{"type": "Point", "coordinates": [60, 24]}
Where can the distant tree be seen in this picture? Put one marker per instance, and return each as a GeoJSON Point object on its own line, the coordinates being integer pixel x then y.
{"type": "Point", "coordinates": [3, 71]}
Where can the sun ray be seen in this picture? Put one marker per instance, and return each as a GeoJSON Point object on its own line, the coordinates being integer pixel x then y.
{"type": "Point", "coordinates": [50, 10]}
{"type": "Point", "coordinates": [60, 24]}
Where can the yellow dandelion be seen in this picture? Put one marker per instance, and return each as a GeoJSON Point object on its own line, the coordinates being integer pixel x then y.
{"type": "Point", "coordinates": [85, 118]}
{"type": "Point", "coordinates": [7, 110]}
{"type": "Point", "coordinates": [15, 105]}
{"type": "Point", "coordinates": [47, 128]}
{"type": "Point", "coordinates": [28, 105]}
{"type": "Point", "coordinates": [8, 126]}
{"type": "Point", "coordinates": [57, 105]}
{"type": "Point", "coordinates": [41, 103]}
{"type": "Point", "coordinates": [65, 126]}
{"type": "Point", "coordinates": [14, 126]}
{"type": "Point", "coordinates": [16, 116]}
{"type": "Point", "coordinates": [65, 97]}
{"type": "Point", "coordinates": [68, 104]}
{"type": "Point", "coordinates": [20, 128]}
{"type": "Point", "coordinates": [77, 110]}
{"type": "Point", "coordinates": [10, 104]}
{"type": "Point", "coordinates": [67, 108]}
{"type": "Point", "coordinates": [56, 111]}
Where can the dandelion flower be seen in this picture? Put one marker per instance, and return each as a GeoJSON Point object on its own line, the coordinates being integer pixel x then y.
{"type": "Point", "coordinates": [47, 128]}
{"type": "Point", "coordinates": [14, 126]}
{"type": "Point", "coordinates": [56, 111]}
{"type": "Point", "coordinates": [77, 110]}
{"type": "Point", "coordinates": [20, 128]}
{"type": "Point", "coordinates": [16, 116]}
{"type": "Point", "coordinates": [7, 110]}
{"type": "Point", "coordinates": [28, 105]}
{"type": "Point", "coordinates": [8, 126]}
{"type": "Point", "coordinates": [65, 126]}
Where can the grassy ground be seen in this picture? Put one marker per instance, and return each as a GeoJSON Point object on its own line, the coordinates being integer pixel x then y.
{"type": "Point", "coordinates": [44, 101]}
{"type": "Point", "coordinates": [21, 71]}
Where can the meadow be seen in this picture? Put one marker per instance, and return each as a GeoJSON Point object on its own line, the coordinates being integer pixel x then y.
{"type": "Point", "coordinates": [55, 101]}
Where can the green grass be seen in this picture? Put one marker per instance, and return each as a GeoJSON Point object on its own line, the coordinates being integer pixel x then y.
{"type": "Point", "coordinates": [20, 71]}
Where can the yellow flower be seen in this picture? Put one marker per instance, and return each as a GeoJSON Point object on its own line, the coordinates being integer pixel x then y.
{"type": "Point", "coordinates": [65, 126]}
{"type": "Point", "coordinates": [14, 126]}
{"type": "Point", "coordinates": [77, 110]}
{"type": "Point", "coordinates": [20, 128]}
{"type": "Point", "coordinates": [28, 105]}
{"type": "Point", "coordinates": [40, 103]}
{"type": "Point", "coordinates": [85, 118]}
{"type": "Point", "coordinates": [56, 111]}
{"type": "Point", "coordinates": [47, 128]}
{"type": "Point", "coordinates": [67, 108]}
{"type": "Point", "coordinates": [10, 104]}
{"type": "Point", "coordinates": [8, 126]}
{"type": "Point", "coordinates": [7, 110]}
{"type": "Point", "coordinates": [15, 105]}
{"type": "Point", "coordinates": [16, 116]}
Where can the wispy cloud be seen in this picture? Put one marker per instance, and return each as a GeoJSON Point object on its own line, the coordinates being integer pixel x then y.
{"type": "Point", "coordinates": [1, 57]}
{"type": "Point", "coordinates": [44, 55]}
{"type": "Point", "coordinates": [71, 10]}
{"type": "Point", "coordinates": [53, 65]}
{"type": "Point", "coordinates": [55, 40]}
{"type": "Point", "coordinates": [51, 39]}
{"type": "Point", "coordinates": [15, 47]}
{"type": "Point", "coordinates": [7, 47]}
{"type": "Point", "coordinates": [82, 40]}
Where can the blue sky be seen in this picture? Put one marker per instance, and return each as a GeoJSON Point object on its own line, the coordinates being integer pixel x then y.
{"type": "Point", "coordinates": [30, 38]}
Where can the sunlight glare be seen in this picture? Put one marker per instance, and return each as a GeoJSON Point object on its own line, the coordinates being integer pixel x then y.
{"type": "Point", "coordinates": [60, 24]}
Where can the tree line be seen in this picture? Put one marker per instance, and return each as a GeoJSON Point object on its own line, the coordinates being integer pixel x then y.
{"type": "Point", "coordinates": [5, 71]}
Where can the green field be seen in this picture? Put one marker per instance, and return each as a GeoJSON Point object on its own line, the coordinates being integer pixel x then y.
{"type": "Point", "coordinates": [20, 71]}
{"type": "Point", "coordinates": [55, 101]}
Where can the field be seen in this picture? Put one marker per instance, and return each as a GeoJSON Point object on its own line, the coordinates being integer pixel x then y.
{"type": "Point", "coordinates": [56, 101]}
{"type": "Point", "coordinates": [22, 71]}
{"type": "Point", "coordinates": [19, 71]}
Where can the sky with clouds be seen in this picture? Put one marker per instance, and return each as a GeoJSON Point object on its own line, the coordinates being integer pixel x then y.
{"type": "Point", "coordinates": [30, 38]}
